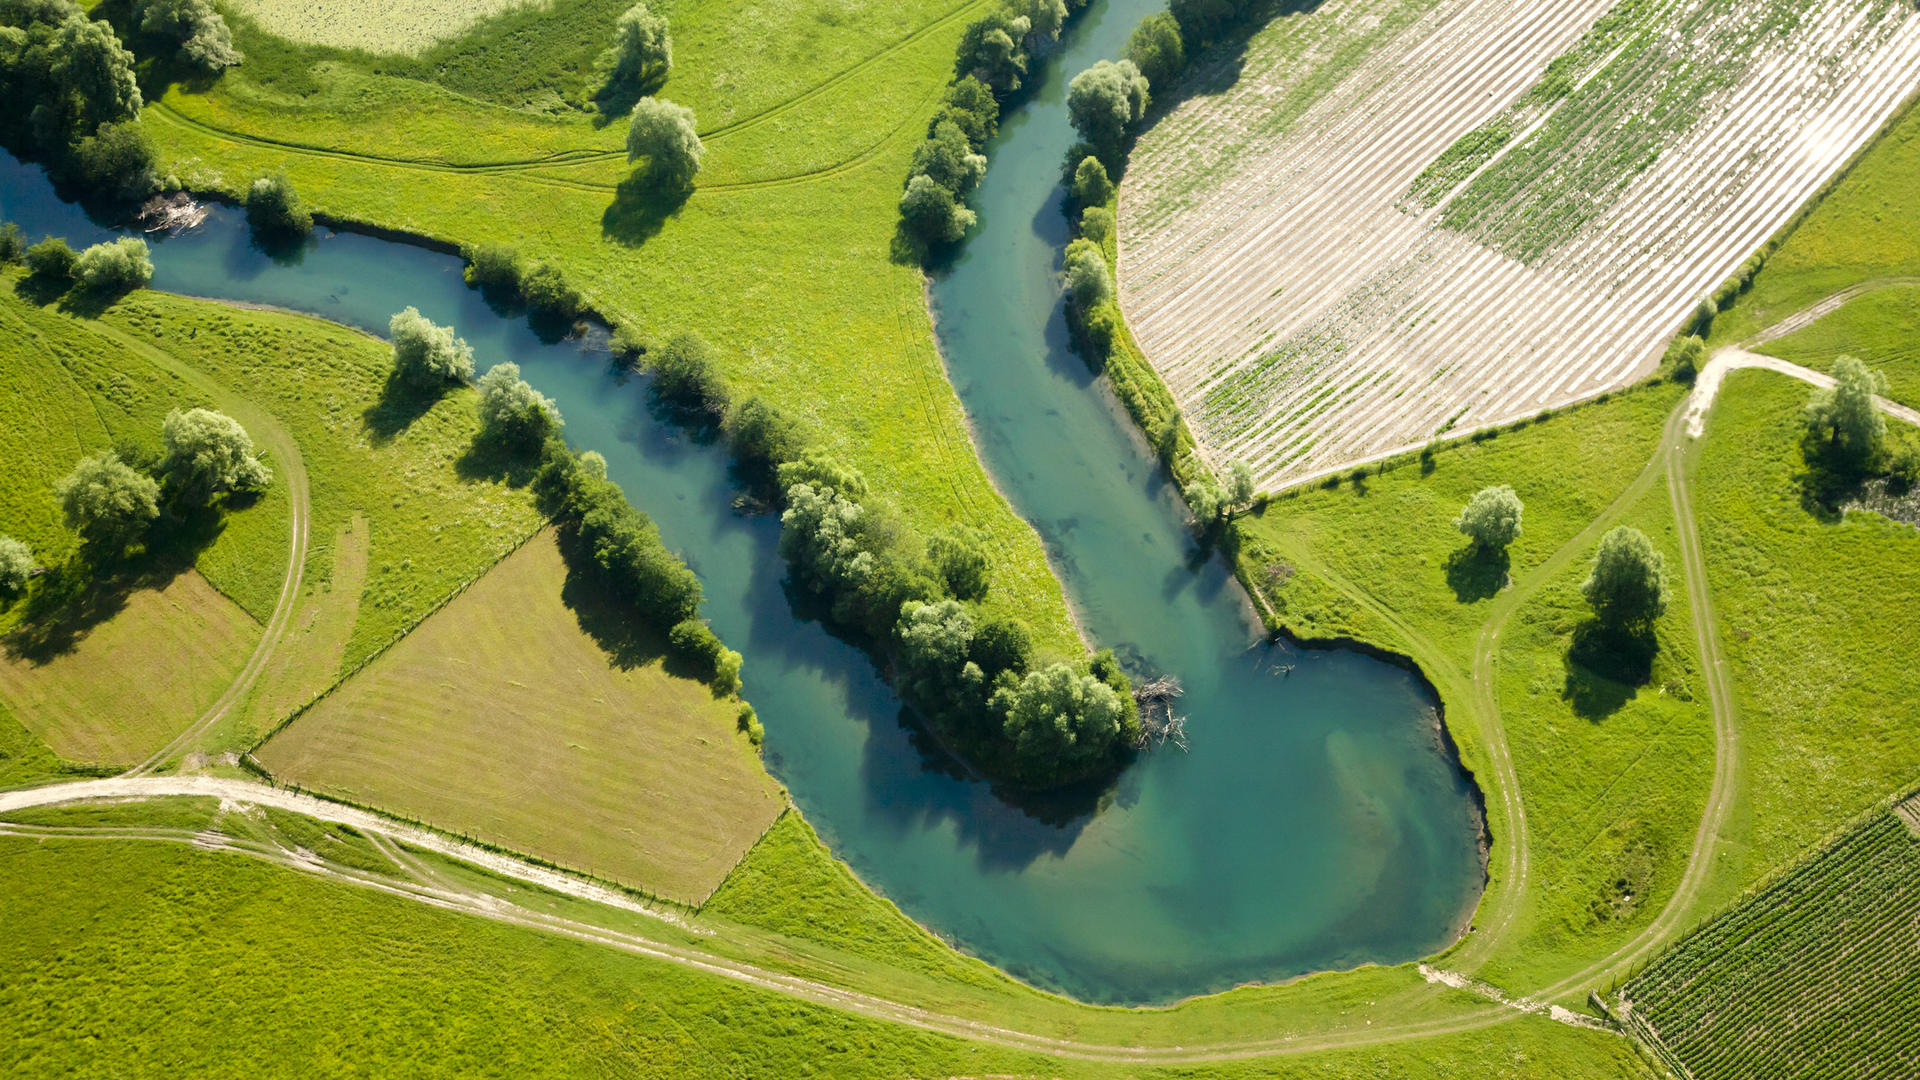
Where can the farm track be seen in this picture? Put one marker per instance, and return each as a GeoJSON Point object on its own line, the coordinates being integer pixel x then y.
{"type": "Point", "coordinates": [567, 159]}
{"type": "Point", "coordinates": [436, 890]}
{"type": "Point", "coordinates": [1308, 323]}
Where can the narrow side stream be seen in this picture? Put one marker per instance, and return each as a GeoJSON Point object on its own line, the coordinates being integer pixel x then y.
{"type": "Point", "coordinates": [1316, 823]}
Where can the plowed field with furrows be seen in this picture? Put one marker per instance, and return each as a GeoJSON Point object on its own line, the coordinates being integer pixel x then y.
{"type": "Point", "coordinates": [1406, 217]}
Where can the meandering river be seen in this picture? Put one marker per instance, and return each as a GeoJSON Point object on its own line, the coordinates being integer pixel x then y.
{"type": "Point", "coordinates": [1316, 822]}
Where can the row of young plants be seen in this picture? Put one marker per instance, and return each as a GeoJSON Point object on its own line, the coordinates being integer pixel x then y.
{"type": "Point", "coordinates": [1805, 975]}
{"type": "Point", "coordinates": [1107, 104]}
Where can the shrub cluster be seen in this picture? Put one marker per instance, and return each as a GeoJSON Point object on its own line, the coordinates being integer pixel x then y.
{"type": "Point", "coordinates": [989, 66]}
{"type": "Point", "coordinates": [427, 356]}
{"type": "Point", "coordinates": [274, 210]}
{"type": "Point", "coordinates": [204, 43]}
{"type": "Point", "coordinates": [110, 502]}
{"type": "Point", "coordinates": [499, 272]}
{"type": "Point", "coordinates": [641, 53]}
{"type": "Point", "coordinates": [76, 89]}
{"type": "Point", "coordinates": [108, 267]}
{"type": "Point", "coordinates": [864, 572]}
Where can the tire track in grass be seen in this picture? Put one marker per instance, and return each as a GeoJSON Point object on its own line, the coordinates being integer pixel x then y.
{"type": "Point", "coordinates": [566, 158]}
{"type": "Point", "coordinates": [293, 469]}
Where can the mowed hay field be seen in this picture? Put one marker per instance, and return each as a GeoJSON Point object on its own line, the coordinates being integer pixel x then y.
{"type": "Point", "coordinates": [1401, 222]}
{"type": "Point", "coordinates": [119, 692]}
{"type": "Point", "coordinates": [108, 673]}
{"type": "Point", "coordinates": [502, 718]}
{"type": "Point", "coordinates": [1818, 975]}
{"type": "Point", "coordinates": [405, 26]}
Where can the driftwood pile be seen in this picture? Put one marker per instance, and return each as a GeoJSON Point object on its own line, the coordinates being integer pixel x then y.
{"type": "Point", "coordinates": [1158, 724]}
{"type": "Point", "coordinates": [173, 213]}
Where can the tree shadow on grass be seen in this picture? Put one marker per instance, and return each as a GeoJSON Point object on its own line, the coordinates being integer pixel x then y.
{"type": "Point", "coordinates": [616, 627]}
{"type": "Point", "coordinates": [1606, 666]}
{"type": "Point", "coordinates": [512, 464]}
{"type": "Point", "coordinates": [616, 98]}
{"type": "Point", "coordinates": [640, 210]}
{"type": "Point", "coordinates": [70, 600]}
{"type": "Point", "coordinates": [1475, 573]}
{"type": "Point", "coordinates": [1830, 478]}
{"type": "Point", "coordinates": [399, 406]}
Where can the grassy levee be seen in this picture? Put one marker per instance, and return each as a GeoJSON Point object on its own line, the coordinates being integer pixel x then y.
{"type": "Point", "coordinates": [122, 952]}
{"type": "Point", "coordinates": [1879, 327]}
{"type": "Point", "coordinates": [1818, 622]}
{"type": "Point", "coordinates": [1612, 753]}
{"type": "Point", "coordinates": [528, 714]}
{"type": "Point", "coordinates": [1815, 974]}
{"type": "Point", "coordinates": [792, 222]}
{"type": "Point", "coordinates": [1866, 228]}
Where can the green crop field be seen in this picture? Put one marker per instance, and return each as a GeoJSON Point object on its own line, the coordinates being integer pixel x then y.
{"type": "Point", "coordinates": [526, 714]}
{"type": "Point", "coordinates": [1816, 975]}
{"type": "Point", "coordinates": [810, 112]}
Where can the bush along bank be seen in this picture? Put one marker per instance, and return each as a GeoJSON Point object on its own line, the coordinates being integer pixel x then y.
{"type": "Point", "coordinates": [77, 81]}
{"type": "Point", "coordinates": [1106, 104]}
{"type": "Point", "coordinates": [910, 601]}
{"type": "Point", "coordinates": [991, 64]}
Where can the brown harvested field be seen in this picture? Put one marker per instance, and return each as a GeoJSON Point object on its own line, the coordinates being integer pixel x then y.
{"type": "Point", "coordinates": [501, 717]}
{"type": "Point", "coordinates": [123, 686]}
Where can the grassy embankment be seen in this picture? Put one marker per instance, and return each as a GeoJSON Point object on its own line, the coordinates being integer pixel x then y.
{"type": "Point", "coordinates": [386, 496]}
{"type": "Point", "coordinates": [157, 927]}
{"type": "Point", "coordinates": [1612, 748]}
{"type": "Point", "coordinates": [810, 115]}
{"type": "Point", "coordinates": [553, 729]}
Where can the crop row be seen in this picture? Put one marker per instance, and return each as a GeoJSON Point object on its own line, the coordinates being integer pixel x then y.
{"type": "Point", "coordinates": [1817, 975]}
{"type": "Point", "coordinates": [1302, 275]}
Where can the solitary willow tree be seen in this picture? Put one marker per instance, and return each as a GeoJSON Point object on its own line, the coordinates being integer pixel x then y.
{"type": "Point", "coordinates": [1845, 411]}
{"type": "Point", "coordinates": [1628, 586]}
{"type": "Point", "coordinates": [642, 48]}
{"type": "Point", "coordinates": [662, 133]}
{"type": "Point", "coordinates": [1491, 518]}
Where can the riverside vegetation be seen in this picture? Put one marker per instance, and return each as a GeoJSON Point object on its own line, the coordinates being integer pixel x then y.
{"type": "Point", "coordinates": [1600, 674]}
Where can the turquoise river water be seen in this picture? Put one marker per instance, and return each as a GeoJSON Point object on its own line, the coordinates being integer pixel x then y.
{"type": "Point", "coordinates": [1316, 822]}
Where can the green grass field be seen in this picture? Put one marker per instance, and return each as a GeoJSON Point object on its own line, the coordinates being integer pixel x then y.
{"type": "Point", "coordinates": [1814, 976]}
{"type": "Point", "coordinates": [1878, 327]}
{"type": "Point", "coordinates": [1818, 622]}
{"type": "Point", "coordinates": [1613, 755]}
{"type": "Point", "coordinates": [527, 715]}
{"type": "Point", "coordinates": [811, 111]}
{"type": "Point", "coordinates": [1866, 229]}
{"type": "Point", "coordinates": [216, 963]}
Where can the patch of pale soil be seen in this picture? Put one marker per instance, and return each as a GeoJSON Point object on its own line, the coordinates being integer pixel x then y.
{"type": "Point", "coordinates": [1526, 1005]}
{"type": "Point", "coordinates": [401, 26]}
{"type": "Point", "coordinates": [1706, 386]}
